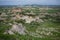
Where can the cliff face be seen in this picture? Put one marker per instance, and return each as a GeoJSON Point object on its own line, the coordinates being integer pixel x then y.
{"type": "Point", "coordinates": [17, 28]}
{"type": "Point", "coordinates": [15, 10]}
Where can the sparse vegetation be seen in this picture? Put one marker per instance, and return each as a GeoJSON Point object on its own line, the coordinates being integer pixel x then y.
{"type": "Point", "coordinates": [49, 29]}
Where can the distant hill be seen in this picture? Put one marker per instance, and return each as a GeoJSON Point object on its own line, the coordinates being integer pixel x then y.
{"type": "Point", "coordinates": [32, 5]}
{"type": "Point", "coordinates": [36, 5]}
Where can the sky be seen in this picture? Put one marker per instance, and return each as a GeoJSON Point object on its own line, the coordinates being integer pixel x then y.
{"type": "Point", "coordinates": [24, 2]}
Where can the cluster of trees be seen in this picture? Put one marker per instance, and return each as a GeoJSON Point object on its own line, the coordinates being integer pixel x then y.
{"type": "Point", "coordinates": [55, 17]}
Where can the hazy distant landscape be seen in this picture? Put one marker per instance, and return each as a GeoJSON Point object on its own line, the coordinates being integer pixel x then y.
{"type": "Point", "coordinates": [30, 22]}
